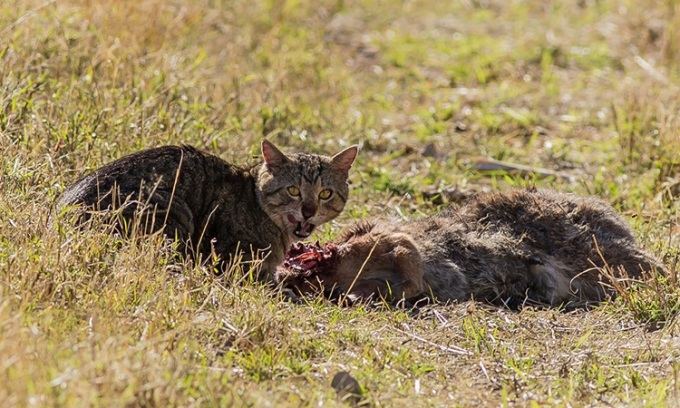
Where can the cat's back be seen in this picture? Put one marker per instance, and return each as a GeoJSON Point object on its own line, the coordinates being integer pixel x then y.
{"type": "Point", "coordinates": [160, 167]}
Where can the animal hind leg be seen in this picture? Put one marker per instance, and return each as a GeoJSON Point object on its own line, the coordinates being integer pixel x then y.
{"type": "Point", "coordinates": [637, 262]}
{"type": "Point", "coordinates": [549, 284]}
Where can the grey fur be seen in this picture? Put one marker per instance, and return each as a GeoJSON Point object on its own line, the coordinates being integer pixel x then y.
{"type": "Point", "coordinates": [212, 206]}
{"type": "Point", "coordinates": [536, 246]}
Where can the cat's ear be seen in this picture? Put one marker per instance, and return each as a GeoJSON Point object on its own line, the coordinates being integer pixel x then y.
{"type": "Point", "coordinates": [273, 157]}
{"type": "Point", "coordinates": [343, 161]}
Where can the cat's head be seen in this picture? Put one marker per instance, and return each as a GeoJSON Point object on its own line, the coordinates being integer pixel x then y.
{"type": "Point", "coordinates": [300, 191]}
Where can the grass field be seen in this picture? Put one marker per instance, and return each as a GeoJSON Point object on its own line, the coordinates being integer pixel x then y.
{"type": "Point", "coordinates": [587, 88]}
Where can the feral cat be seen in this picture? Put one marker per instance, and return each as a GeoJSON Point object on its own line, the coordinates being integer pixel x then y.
{"type": "Point", "coordinates": [522, 246]}
{"type": "Point", "coordinates": [212, 206]}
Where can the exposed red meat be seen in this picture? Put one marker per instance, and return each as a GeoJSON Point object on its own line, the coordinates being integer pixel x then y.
{"type": "Point", "coordinates": [310, 258]}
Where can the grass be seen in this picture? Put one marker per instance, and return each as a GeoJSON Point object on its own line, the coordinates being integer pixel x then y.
{"type": "Point", "coordinates": [586, 88]}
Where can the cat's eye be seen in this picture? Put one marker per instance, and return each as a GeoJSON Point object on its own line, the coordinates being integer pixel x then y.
{"type": "Point", "coordinates": [325, 194]}
{"type": "Point", "coordinates": [294, 191]}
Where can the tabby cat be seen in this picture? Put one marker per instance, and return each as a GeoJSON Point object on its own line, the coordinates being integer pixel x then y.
{"type": "Point", "coordinates": [213, 207]}
{"type": "Point", "coordinates": [522, 246]}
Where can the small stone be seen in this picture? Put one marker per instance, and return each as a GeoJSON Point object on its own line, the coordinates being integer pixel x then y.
{"type": "Point", "coordinates": [430, 151]}
{"type": "Point", "coordinates": [347, 388]}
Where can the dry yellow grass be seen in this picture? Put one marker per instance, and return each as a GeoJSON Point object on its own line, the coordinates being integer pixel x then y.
{"type": "Point", "coordinates": [587, 88]}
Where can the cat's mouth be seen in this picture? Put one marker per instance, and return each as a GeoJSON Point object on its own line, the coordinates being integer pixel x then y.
{"type": "Point", "coordinates": [303, 229]}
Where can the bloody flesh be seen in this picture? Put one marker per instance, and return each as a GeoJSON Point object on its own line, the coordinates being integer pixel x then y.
{"type": "Point", "coordinates": [311, 258]}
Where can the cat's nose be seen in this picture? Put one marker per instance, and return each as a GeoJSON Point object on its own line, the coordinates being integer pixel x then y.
{"type": "Point", "coordinates": [308, 210]}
